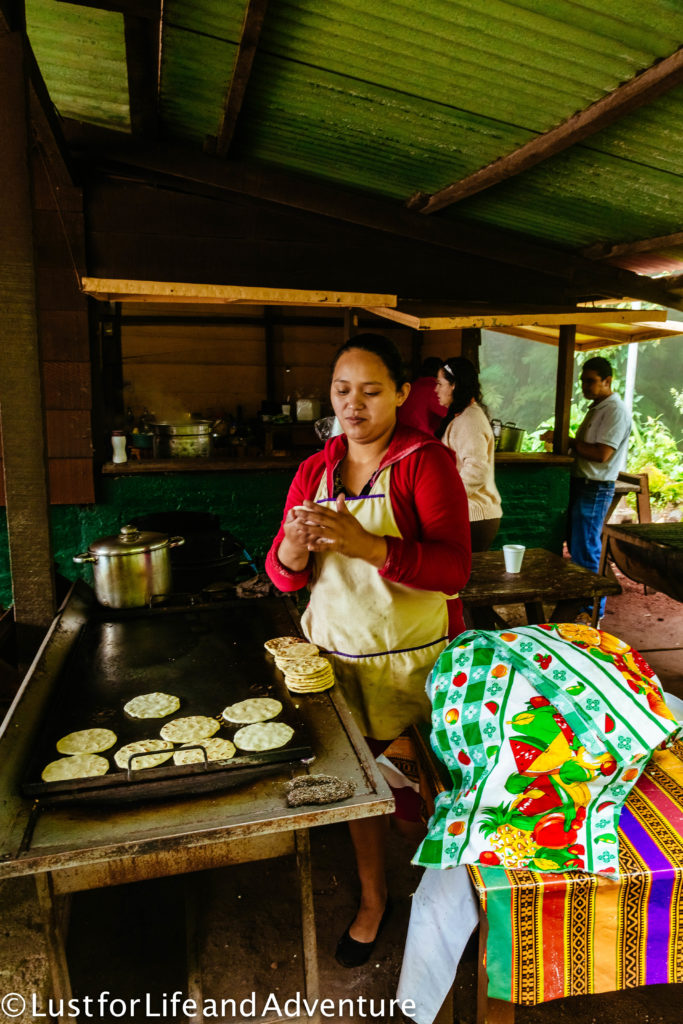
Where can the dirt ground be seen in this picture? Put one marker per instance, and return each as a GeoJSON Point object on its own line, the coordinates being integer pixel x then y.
{"type": "Point", "coordinates": [131, 939]}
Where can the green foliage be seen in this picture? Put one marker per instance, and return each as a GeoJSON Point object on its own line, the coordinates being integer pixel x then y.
{"type": "Point", "coordinates": [653, 450]}
{"type": "Point", "coordinates": [518, 381]}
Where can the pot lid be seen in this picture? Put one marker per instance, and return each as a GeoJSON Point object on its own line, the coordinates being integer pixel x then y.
{"type": "Point", "coordinates": [130, 541]}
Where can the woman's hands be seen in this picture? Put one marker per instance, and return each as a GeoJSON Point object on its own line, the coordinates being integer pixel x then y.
{"type": "Point", "coordinates": [311, 527]}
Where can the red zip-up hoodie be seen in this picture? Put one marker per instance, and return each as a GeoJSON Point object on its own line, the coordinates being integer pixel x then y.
{"type": "Point", "coordinates": [430, 507]}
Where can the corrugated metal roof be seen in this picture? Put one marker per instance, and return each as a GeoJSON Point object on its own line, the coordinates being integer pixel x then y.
{"type": "Point", "coordinates": [396, 96]}
{"type": "Point", "coordinates": [82, 56]}
{"type": "Point", "coordinates": [199, 44]}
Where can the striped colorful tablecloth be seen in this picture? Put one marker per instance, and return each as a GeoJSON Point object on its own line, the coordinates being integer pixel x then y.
{"type": "Point", "coordinates": [566, 934]}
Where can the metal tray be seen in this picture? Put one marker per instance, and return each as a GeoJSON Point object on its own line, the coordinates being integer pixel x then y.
{"type": "Point", "coordinates": [208, 656]}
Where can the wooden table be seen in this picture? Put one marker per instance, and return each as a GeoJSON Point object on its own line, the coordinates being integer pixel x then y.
{"type": "Point", "coordinates": [71, 848]}
{"type": "Point", "coordinates": [649, 553]}
{"type": "Point", "coordinates": [545, 578]}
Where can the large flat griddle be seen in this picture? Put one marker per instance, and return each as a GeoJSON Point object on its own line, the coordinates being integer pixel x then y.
{"type": "Point", "coordinates": [209, 656]}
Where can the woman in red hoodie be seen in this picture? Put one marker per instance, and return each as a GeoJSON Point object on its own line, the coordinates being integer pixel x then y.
{"type": "Point", "coordinates": [383, 542]}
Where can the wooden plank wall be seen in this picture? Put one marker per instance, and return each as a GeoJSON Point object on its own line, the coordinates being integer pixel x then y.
{"type": "Point", "coordinates": [63, 329]}
{"type": "Point", "coordinates": [203, 368]}
{"type": "Point", "coordinates": [63, 326]}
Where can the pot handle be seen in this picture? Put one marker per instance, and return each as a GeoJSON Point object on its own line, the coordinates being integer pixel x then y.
{"type": "Point", "coordinates": [85, 557]}
{"type": "Point", "coordinates": [175, 542]}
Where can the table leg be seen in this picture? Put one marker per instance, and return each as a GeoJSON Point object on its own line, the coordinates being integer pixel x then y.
{"type": "Point", "coordinates": [192, 894]}
{"type": "Point", "coordinates": [52, 912]}
{"type": "Point", "coordinates": [447, 1010]}
{"type": "Point", "coordinates": [489, 1011]}
{"type": "Point", "coordinates": [567, 610]}
{"type": "Point", "coordinates": [534, 612]}
{"type": "Point", "coordinates": [309, 940]}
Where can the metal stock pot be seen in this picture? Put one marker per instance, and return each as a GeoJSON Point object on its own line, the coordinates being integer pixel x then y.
{"type": "Point", "coordinates": [188, 440]}
{"type": "Point", "coordinates": [129, 569]}
{"type": "Point", "coordinates": [508, 437]}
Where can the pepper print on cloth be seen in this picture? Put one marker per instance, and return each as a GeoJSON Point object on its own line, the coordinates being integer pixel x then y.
{"type": "Point", "coordinates": [544, 731]}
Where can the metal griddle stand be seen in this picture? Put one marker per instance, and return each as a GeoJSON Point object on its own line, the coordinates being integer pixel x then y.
{"type": "Point", "coordinates": [70, 850]}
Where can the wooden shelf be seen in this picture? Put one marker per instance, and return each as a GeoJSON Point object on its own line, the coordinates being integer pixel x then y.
{"type": "Point", "coordinates": [521, 458]}
{"type": "Point", "coordinates": [211, 465]}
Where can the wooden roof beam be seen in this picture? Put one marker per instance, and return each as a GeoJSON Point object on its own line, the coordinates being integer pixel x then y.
{"type": "Point", "coordinates": [12, 16]}
{"type": "Point", "coordinates": [46, 125]}
{"type": "Point", "coordinates": [587, 338]}
{"type": "Point", "coordinates": [143, 61]}
{"type": "Point", "coordinates": [411, 316]}
{"type": "Point", "coordinates": [116, 152]}
{"type": "Point", "coordinates": [254, 17]}
{"type": "Point", "coordinates": [44, 120]}
{"type": "Point", "coordinates": [606, 251]}
{"type": "Point", "coordinates": [126, 290]}
{"type": "Point", "coordinates": [639, 90]}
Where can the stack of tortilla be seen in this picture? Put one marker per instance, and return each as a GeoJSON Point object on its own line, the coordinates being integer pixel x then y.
{"type": "Point", "coordinates": [305, 670]}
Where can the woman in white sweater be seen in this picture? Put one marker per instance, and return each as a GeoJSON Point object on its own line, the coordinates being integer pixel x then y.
{"type": "Point", "coordinates": [467, 431]}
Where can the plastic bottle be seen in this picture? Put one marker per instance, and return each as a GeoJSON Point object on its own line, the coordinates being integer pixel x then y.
{"type": "Point", "coordinates": [118, 443]}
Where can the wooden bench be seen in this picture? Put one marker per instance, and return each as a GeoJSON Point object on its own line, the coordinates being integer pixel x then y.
{"type": "Point", "coordinates": [632, 483]}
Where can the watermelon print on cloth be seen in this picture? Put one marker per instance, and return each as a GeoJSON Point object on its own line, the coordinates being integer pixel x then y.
{"type": "Point", "coordinates": [544, 731]}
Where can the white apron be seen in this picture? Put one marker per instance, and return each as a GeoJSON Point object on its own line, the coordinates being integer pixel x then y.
{"type": "Point", "coordinates": [383, 637]}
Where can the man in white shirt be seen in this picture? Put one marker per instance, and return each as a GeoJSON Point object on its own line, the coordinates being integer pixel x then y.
{"type": "Point", "coordinates": [599, 448]}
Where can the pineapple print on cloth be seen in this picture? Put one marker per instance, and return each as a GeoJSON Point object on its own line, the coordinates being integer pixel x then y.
{"type": "Point", "coordinates": [544, 731]}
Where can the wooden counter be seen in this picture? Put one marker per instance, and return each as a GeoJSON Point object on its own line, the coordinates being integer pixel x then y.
{"type": "Point", "coordinates": [537, 458]}
{"type": "Point", "coordinates": [213, 465]}
{"type": "Point", "coordinates": [235, 465]}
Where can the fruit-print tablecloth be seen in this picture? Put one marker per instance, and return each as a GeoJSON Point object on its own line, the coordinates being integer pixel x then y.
{"type": "Point", "coordinates": [572, 933]}
{"type": "Point", "coordinates": [544, 731]}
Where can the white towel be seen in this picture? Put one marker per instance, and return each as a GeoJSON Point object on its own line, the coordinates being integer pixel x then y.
{"type": "Point", "coordinates": [444, 914]}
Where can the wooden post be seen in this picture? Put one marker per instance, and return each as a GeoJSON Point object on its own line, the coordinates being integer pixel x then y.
{"type": "Point", "coordinates": [269, 336]}
{"type": "Point", "coordinates": [350, 323]}
{"type": "Point", "coordinates": [470, 343]}
{"type": "Point", "coordinates": [563, 393]}
{"type": "Point", "coordinates": [21, 398]}
{"type": "Point", "coordinates": [55, 939]}
{"type": "Point", "coordinates": [415, 353]}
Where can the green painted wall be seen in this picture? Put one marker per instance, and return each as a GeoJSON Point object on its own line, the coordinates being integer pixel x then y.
{"type": "Point", "coordinates": [250, 506]}
{"type": "Point", "coordinates": [535, 499]}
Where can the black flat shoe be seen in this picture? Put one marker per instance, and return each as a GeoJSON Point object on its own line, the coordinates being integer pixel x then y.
{"type": "Point", "coordinates": [350, 952]}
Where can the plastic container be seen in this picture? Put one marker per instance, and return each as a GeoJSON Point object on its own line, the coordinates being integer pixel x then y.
{"type": "Point", "coordinates": [118, 444]}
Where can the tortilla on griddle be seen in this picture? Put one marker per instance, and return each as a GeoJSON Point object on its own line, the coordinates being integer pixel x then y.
{"type": "Point", "coordinates": [254, 709]}
{"type": "Point", "coordinates": [190, 729]}
{"type": "Point", "coordinates": [86, 741]}
{"type": "Point", "coordinates": [144, 747]}
{"type": "Point", "coordinates": [76, 766]}
{"type": "Point", "coordinates": [152, 705]}
{"type": "Point", "coordinates": [217, 749]}
{"type": "Point", "coordinates": [263, 736]}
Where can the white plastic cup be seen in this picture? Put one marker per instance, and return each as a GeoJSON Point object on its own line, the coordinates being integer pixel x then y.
{"type": "Point", "coordinates": [513, 555]}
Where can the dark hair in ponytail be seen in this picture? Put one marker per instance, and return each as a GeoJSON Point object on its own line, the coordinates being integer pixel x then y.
{"type": "Point", "coordinates": [460, 371]}
{"type": "Point", "coordinates": [379, 346]}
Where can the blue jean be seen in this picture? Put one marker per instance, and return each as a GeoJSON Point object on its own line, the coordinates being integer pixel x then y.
{"type": "Point", "coordinates": [589, 501]}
